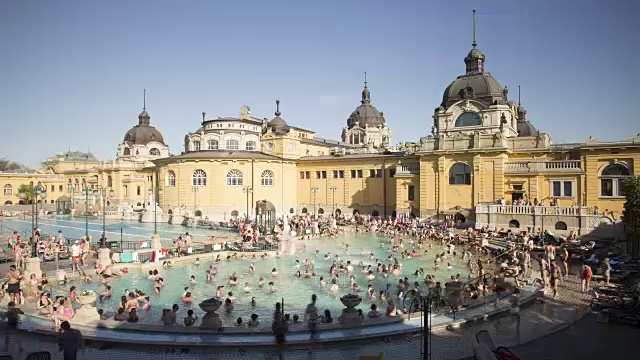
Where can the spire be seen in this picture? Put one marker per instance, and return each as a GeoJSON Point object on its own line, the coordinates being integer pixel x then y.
{"type": "Point", "coordinates": [366, 94]}
{"type": "Point", "coordinates": [143, 117]}
{"type": "Point", "coordinates": [475, 59]}
{"type": "Point", "coordinates": [277, 113]}
{"type": "Point", "coordinates": [519, 95]}
{"type": "Point", "coordinates": [474, 29]}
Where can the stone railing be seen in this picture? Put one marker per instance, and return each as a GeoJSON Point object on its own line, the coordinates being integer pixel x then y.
{"type": "Point", "coordinates": [542, 166]}
{"type": "Point", "coordinates": [531, 210]}
{"type": "Point", "coordinates": [408, 169]}
{"type": "Point", "coordinates": [132, 177]}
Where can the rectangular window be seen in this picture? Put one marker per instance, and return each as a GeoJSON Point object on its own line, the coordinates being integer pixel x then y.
{"type": "Point", "coordinates": [335, 174]}
{"type": "Point", "coordinates": [379, 173]}
{"type": "Point", "coordinates": [317, 174]}
{"type": "Point", "coordinates": [606, 187]}
{"type": "Point", "coordinates": [412, 193]}
{"type": "Point", "coordinates": [53, 188]}
{"type": "Point", "coordinates": [301, 174]}
{"type": "Point", "coordinates": [307, 175]}
{"type": "Point", "coordinates": [392, 173]}
{"type": "Point", "coordinates": [138, 190]}
{"type": "Point", "coordinates": [359, 174]}
{"type": "Point", "coordinates": [124, 190]}
{"type": "Point", "coordinates": [60, 188]}
{"type": "Point", "coordinates": [620, 192]}
{"type": "Point", "coordinates": [341, 174]}
{"type": "Point", "coordinates": [562, 188]}
{"type": "Point", "coordinates": [353, 174]}
{"type": "Point", "coordinates": [372, 173]}
{"type": "Point", "coordinates": [324, 174]}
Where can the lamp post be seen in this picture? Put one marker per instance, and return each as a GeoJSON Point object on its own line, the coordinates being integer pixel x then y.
{"type": "Point", "coordinates": [155, 208]}
{"type": "Point", "coordinates": [194, 189]}
{"type": "Point", "coordinates": [314, 191]}
{"type": "Point", "coordinates": [247, 190]}
{"type": "Point", "coordinates": [333, 190]}
{"type": "Point", "coordinates": [39, 191]}
{"type": "Point", "coordinates": [71, 190]}
{"type": "Point", "coordinates": [102, 191]}
{"type": "Point", "coordinates": [86, 191]}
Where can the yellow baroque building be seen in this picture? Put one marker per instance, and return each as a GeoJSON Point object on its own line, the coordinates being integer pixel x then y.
{"type": "Point", "coordinates": [482, 150]}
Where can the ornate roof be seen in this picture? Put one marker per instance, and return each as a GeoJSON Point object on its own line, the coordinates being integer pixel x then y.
{"type": "Point", "coordinates": [277, 125]}
{"type": "Point", "coordinates": [143, 133]}
{"type": "Point", "coordinates": [366, 114]}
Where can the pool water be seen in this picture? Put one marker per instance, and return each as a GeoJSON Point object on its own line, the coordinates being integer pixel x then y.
{"type": "Point", "coordinates": [75, 227]}
{"type": "Point", "coordinates": [295, 291]}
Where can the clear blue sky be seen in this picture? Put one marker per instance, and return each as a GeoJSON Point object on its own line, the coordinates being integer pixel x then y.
{"type": "Point", "coordinates": [72, 72]}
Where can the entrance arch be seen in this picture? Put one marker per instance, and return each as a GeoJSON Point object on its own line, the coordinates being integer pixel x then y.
{"type": "Point", "coordinates": [561, 225]}
{"type": "Point", "coordinates": [514, 224]}
{"type": "Point", "coordinates": [375, 213]}
{"type": "Point", "coordinates": [304, 210]}
{"type": "Point", "coordinates": [459, 217]}
{"type": "Point", "coordinates": [338, 212]}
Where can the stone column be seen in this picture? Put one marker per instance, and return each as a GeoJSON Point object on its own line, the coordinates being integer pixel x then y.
{"type": "Point", "coordinates": [350, 314]}
{"type": "Point", "coordinates": [32, 265]}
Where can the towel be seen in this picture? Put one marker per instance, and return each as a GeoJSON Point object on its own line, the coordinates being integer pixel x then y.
{"type": "Point", "coordinates": [144, 245]}
{"type": "Point", "coordinates": [125, 257]}
{"type": "Point", "coordinates": [134, 256]}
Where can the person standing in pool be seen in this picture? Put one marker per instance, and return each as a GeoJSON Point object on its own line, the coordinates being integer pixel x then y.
{"type": "Point", "coordinates": [13, 286]}
{"type": "Point", "coordinates": [311, 316]}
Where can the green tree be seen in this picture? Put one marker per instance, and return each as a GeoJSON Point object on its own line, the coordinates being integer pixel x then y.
{"type": "Point", "coordinates": [27, 190]}
{"type": "Point", "coordinates": [8, 165]}
{"type": "Point", "coordinates": [631, 212]}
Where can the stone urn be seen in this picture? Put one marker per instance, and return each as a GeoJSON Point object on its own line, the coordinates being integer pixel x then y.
{"type": "Point", "coordinates": [211, 320]}
{"type": "Point", "coordinates": [87, 311]}
{"type": "Point", "coordinates": [350, 314]}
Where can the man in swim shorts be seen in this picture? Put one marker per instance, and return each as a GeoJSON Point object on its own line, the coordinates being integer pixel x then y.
{"type": "Point", "coordinates": [13, 286]}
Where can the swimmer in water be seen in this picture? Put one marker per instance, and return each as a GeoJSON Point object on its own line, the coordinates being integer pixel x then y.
{"type": "Point", "coordinates": [219, 290]}
{"type": "Point", "coordinates": [370, 276]}
{"type": "Point", "coordinates": [322, 282]}
{"type": "Point", "coordinates": [197, 261]}
{"type": "Point", "coordinates": [147, 304]}
{"type": "Point", "coordinates": [247, 288]}
{"type": "Point", "coordinates": [298, 274]}
{"type": "Point", "coordinates": [187, 298]}
{"type": "Point", "coordinates": [252, 267]}
{"type": "Point", "coordinates": [334, 286]}
{"type": "Point", "coordinates": [261, 282]}
{"type": "Point", "coordinates": [297, 264]}
{"type": "Point", "coordinates": [274, 272]}
{"type": "Point", "coordinates": [193, 280]}
{"type": "Point", "coordinates": [449, 267]}
{"type": "Point", "coordinates": [253, 301]}
{"type": "Point", "coordinates": [231, 297]}
{"type": "Point", "coordinates": [272, 288]}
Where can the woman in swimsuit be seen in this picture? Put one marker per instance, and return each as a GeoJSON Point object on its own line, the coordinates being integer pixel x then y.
{"type": "Point", "coordinates": [44, 304]}
{"type": "Point", "coordinates": [73, 294]}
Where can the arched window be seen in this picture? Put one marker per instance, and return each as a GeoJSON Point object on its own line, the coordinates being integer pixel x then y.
{"type": "Point", "coordinates": [8, 202]}
{"type": "Point", "coordinates": [561, 225]}
{"type": "Point", "coordinates": [171, 178]}
{"type": "Point", "coordinates": [234, 213]}
{"type": "Point", "coordinates": [195, 146]}
{"type": "Point", "coordinates": [109, 181]}
{"type": "Point", "coordinates": [460, 174]}
{"type": "Point", "coordinates": [514, 224]}
{"type": "Point", "coordinates": [250, 145]}
{"type": "Point", "coordinates": [234, 178]}
{"type": "Point", "coordinates": [212, 145]}
{"type": "Point", "coordinates": [304, 210]}
{"type": "Point", "coordinates": [154, 152]}
{"type": "Point", "coordinates": [375, 213]}
{"type": "Point", "coordinates": [321, 211]}
{"type": "Point", "coordinates": [468, 119]}
{"type": "Point", "coordinates": [8, 190]}
{"type": "Point", "coordinates": [199, 178]}
{"type": "Point", "coordinates": [611, 179]}
{"type": "Point", "coordinates": [267, 178]}
{"type": "Point", "coordinates": [232, 145]}
{"type": "Point", "coordinates": [126, 151]}
{"type": "Point", "coordinates": [198, 213]}
{"type": "Point", "coordinates": [291, 211]}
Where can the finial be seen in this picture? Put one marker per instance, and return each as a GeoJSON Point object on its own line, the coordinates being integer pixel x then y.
{"type": "Point", "coordinates": [518, 94]}
{"type": "Point", "coordinates": [474, 28]}
{"type": "Point", "coordinates": [203, 115]}
{"type": "Point", "coordinates": [365, 79]}
{"type": "Point", "coordinates": [144, 100]}
{"type": "Point", "coordinates": [277, 113]}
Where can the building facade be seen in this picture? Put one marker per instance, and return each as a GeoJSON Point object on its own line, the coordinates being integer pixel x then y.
{"type": "Point", "coordinates": [481, 150]}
